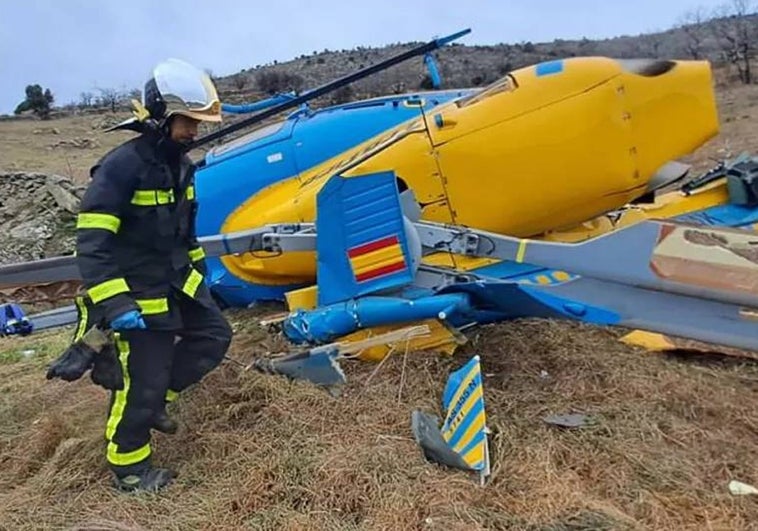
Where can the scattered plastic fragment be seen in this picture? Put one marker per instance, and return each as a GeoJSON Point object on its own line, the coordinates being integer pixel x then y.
{"type": "Point", "coordinates": [741, 489]}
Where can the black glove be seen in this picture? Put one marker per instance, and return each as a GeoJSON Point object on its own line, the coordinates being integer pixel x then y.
{"type": "Point", "coordinates": [72, 364]}
{"type": "Point", "coordinates": [83, 354]}
{"type": "Point", "coordinates": [106, 371]}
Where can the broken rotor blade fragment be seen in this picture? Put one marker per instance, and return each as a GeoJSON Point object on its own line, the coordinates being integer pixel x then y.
{"type": "Point", "coordinates": [427, 434]}
{"type": "Point", "coordinates": [320, 368]}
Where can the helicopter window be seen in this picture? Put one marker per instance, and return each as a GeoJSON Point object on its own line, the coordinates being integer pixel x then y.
{"type": "Point", "coordinates": [504, 84]}
{"type": "Point", "coordinates": [262, 132]}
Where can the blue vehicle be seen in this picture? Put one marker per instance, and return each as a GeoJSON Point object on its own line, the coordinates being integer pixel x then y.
{"type": "Point", "coordinates": [13, 321]}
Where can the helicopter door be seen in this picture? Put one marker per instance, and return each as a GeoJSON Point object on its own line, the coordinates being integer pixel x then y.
{"type": "Point", "coordinates": [236, 171]}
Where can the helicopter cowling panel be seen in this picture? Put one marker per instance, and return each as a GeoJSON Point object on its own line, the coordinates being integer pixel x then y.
{"type": "Point", "coordinates": [342, 127]}
{"type": "Point", "coordinates": [562, 142]}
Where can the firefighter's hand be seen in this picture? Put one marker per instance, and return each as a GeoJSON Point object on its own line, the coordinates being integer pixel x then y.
{"type": "Point", "coordinates": [72, 364]}
{"type": "Point", "coordinates": [107, 371]}
{"type": "Point", "coordinates": [130, 320]}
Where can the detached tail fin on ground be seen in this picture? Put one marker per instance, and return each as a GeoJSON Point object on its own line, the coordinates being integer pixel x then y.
{"type": "Point", "coordinates": [461, 442]}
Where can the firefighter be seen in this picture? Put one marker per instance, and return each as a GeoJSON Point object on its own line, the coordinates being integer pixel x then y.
{"type": "Point", "coordinates": [143, 270]}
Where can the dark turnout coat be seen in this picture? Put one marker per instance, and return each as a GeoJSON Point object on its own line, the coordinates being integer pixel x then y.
{"type": "Point", "coordinates": [135, 232]}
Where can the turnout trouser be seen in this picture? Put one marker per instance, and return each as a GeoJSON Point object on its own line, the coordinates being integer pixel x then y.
{"type": "Point", "coordinates": [156, 369]}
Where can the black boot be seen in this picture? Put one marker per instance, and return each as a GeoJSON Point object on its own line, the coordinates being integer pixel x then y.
{"type": "Point", "coordinates": [163, 423]}
{"type": "Point", "coordinates": [148, 479]}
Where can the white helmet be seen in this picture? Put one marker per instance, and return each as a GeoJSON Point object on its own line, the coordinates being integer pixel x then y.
{"type": "Point", "coordinates": [177, 87]}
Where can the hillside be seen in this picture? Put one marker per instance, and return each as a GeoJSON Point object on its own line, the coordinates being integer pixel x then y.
{"type": "Point", "coordinates": [470, 65]}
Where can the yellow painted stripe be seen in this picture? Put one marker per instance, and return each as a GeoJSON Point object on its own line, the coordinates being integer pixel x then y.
{"type": "Point", "coordinates": [379, 265]}
{"type": "Point", "coordinates": [153, 306]}
{"type": "Point", "coordinates": [127, 458]}
{"type": "Point", "coordinates": [96, 220]}
{"type": "Point", "coordinates": [107, 289]}
{"type": "Point", "coordinates": [464, 384]}
{"type": "Point", "coordinates": [475, 427]}
{"type": "Point", "coordinates": [521, 250]}
{"type": "Point", "coordinates": [475, 455]}
{"type": "Point", "coordinates": [473, 398]}
{"type": "Point", "coordinates": [375, 259]}
{"type": "Point", "coordinates": [119, 403]}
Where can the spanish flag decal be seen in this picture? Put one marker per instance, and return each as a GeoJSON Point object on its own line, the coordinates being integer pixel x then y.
{"type": "Point", "coordinates": [376, 258]}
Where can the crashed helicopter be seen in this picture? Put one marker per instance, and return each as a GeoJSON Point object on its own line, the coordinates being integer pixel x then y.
{"type": "Point", "coordinates": [553, 192]}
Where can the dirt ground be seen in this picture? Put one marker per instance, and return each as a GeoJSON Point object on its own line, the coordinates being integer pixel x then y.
{"type": "Point", "coordinates": [259, 452]}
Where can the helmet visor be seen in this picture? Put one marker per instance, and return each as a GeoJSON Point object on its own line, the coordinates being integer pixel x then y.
{"type": "Point", "coordinates": [187, 90]}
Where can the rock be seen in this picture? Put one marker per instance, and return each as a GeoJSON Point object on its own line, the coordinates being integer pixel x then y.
{"type": "Point", "coordinates": [36, 215]}
{"type": "Point", "coordinates": [32, 230]}
{"type": "Point", "coordinates": [78, 142]}
{"type": "Point", "coordinates": [63, 198]}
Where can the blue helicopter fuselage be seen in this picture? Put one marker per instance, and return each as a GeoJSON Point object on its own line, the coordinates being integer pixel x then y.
{"type": "Point", "coordinates": [240, 168]}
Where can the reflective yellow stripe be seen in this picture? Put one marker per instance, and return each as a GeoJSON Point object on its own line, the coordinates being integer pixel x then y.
{"type": "Point", "coordinates": [190, 192]}
{"type": "Point", "coordinates": [153, 197]}
{"type": "Point", "coordinates": [153, 306]}
{"type": "Point", "coordinates": [108, 289]}
{"type": "Point", "coordinates": [117, 412]}
{"type": "Point", "coordinates": [193, 282]}
{"type": "Point", "coordinates": [171, 395]}
{"type": "Point", "coordinates": [128, 458]}
{"type": "Point", "coordinates": [83, 316]}
{"type": "Point", "coordinates": [119, 402]}
{"type": "Point", "coordinates": [197, 254]}
{"type": "Point", "coordinates": [95, 220]}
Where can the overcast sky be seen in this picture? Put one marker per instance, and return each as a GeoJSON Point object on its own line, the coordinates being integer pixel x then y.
{"type": "Point", "coordinates": [72, 46]}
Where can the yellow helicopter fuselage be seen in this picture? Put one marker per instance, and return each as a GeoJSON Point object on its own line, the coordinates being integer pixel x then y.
{"type": "Point", "coordinates": [541, 150]}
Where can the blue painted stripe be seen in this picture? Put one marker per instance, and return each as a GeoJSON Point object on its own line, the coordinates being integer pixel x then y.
{"type": "Point", "coordinates": [460, 380]}
{"type": "Point", "coordinates": [467, 421]}
{"type": "Point", "coordinates": [549, 68]}
{"type": "Point", "coordinates": [478, 439]}
{"type": "Point", "coordinates": [508, 269]}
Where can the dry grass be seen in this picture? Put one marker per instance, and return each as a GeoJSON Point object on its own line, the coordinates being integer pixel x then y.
{"type": "Point", "coordinates": [35, 145]}
{"type": "Point", "coordinates": [259, 452]}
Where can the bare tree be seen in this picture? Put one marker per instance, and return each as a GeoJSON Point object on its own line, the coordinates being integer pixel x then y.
{"type": "Point", "coordinates": [691, 24]}
{"type": "Point", "coordinates": [650, 45]}
{"type": "Point", "coordinates": [239, 80]}
{"type": "Point", "coordinates": [737, 35]}
{"type": "Point", "coordinates": [85, 99]}
{"type": "Point", "coordinates": [110, 97]}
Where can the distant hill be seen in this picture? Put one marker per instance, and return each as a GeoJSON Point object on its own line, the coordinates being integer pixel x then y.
{"type": "Point", "coordinates": [730, 41]}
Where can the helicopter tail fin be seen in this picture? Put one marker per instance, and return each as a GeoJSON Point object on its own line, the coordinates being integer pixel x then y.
{"type": "Point", "coordinates": [362, 238]}
{"type": "Point", "coordinates": [461, 442]}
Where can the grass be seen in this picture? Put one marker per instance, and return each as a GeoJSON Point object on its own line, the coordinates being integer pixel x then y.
{"type": "Point", "coordinates": [259, 452]}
